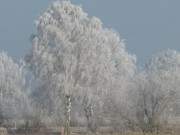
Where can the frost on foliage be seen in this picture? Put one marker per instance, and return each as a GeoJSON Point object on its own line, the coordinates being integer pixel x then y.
{"type": "Point", "coordinates": [156, 89]}
{"type": "Point", "coordinates": [164, 68]}
{"type": "Point", "coordinates": [12, 84]}
{"type": "Point", "coordinates": [74, 54]}
{"type": "Point", "coordinates": [166, 60]}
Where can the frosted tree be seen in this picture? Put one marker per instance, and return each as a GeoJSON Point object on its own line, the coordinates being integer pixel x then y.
{"type": "Point", "coordinates": [74, 57]}
{"type": "Point", "coordinates": [157, 89]}
{"type": "Point", "coordinates": [12, 89]}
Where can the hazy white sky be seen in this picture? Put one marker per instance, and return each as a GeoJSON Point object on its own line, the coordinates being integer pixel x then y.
{"type": "Point", "coordinates": [147, 25]}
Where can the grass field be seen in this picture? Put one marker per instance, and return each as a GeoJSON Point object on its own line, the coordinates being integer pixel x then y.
{"type": "Point", "coordinates": [80, 131]}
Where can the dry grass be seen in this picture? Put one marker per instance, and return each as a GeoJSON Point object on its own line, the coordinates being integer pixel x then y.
{"type": "Point", "coordinates": [139, 133]}
{"type": "Point", "coordinates": [82, 131]}
{"type": "Point", "coordinates": [132, 133]}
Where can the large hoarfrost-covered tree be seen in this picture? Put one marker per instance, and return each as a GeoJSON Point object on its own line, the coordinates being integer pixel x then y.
{"type": "Point", "coordinates": [74, 56]}
{"type": "Point", "coordinates": [12, 89]}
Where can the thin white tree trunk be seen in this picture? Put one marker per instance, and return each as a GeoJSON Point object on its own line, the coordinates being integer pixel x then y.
{"type": "Point", "coordinates": [68, 115]}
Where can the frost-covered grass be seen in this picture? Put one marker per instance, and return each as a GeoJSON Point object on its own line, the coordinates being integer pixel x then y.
{"type": "Point", "coordinates": [58, 133]}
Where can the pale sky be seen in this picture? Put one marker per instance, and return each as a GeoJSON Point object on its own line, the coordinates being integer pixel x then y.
{"type": "Point", "coordinates": [147, 25]}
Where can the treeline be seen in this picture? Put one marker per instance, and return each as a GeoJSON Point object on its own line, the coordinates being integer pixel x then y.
{"type": "Point", "coordinates": [78, 73]}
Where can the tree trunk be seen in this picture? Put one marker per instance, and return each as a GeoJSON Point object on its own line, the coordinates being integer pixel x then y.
{"type": "Point", "coordinates": [89, 114]}
{"type": "Point", "coordinates": [68, 115]}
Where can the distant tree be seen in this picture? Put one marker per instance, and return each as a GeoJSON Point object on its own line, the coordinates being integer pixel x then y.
{"type": "Point", "coordinates": [74, 58]}
{"type": "Point", "coordinates": [157, 90]}
{"type": "Point", "coordinates": [12, 89]}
